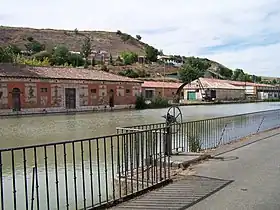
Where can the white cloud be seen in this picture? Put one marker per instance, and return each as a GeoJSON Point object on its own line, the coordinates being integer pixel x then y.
{"type": "Point", "coordinates": [199, 23]}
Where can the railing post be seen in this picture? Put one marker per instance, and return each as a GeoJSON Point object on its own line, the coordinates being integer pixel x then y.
{"type": "Point", "coordinates": [168, 141]}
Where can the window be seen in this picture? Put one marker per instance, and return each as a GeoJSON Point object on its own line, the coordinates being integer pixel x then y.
{"type": "Point", "coordinates": [103, 94]}
{"type": "Point", "coordinates": [93, 90]}
{"type": "Point", "coordinates": [44, 90]}
{"type": "Point", "coordinates": [149, 94]}
{"type": "Point", "coordinates": [127, 91]}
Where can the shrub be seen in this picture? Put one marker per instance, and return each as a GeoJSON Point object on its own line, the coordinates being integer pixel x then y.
{"type": "Point", "coordinates": [119, 32]}
{"type": "Point", "coordinates": [140, 102]}
{"type": "Point", "coordinates": [42, 55]}
{"type": "Point", "coordinates": [194, 143]}
{"type": "Point", "coordinates": [159, 102]}
{"type": "Point", "coordinates": [129, 58]}
{"type": "Point", "coordinates": [76, 59]}
{"type": "Point", "coordinates": [129, 73]}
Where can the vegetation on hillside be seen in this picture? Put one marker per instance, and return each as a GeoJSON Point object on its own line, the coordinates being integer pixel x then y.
{"type": "Point", "coordinates": [55, 48]}
{"type": "Point", "coordinates": [193, 68]}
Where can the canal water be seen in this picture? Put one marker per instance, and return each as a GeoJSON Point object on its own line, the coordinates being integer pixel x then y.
{"type": "Point", "coordinates": [84, 168]}
{"type": "Point", "coordinates": [21, 131]}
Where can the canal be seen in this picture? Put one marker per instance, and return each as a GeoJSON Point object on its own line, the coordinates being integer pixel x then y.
{"type": "Point", "coordinates": [21, 131]}
{"type": "Point", "coordinates": [85, 164]}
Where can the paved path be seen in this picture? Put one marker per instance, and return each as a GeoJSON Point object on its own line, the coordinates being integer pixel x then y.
{"type": "Point", "coordinates": [256, 175]}
{"type": "Point", "coordinates": [254, 170]}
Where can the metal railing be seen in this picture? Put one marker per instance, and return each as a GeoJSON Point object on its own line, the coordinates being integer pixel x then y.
{"type": "Point", "coordinates": [82, 174]}
{"type": "Point", "coordinates": [97, 172]}
{"type": "Point", "coordinates": [205, 134]}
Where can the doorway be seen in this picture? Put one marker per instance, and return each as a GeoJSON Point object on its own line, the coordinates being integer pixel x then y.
{"type": "Point", "coordinates": [16, 99]}
{"type": "Point", "coordinates": [111, 98]}
{"type": "Point", "coordinates": [70, 98]}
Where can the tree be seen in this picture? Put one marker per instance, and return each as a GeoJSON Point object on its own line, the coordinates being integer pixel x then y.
{"type": "Point", "coordinates": [138, 37]}
{"type": "Point", "coordinates": [14, 49]}
{"type": "Point", "coordinates": [34, 46]}
{"type": "Point", "coordinates": [119, 32]}
{"type": "Point", "coordinates": [151, 53]}
{"type": "Point", "coordinates": [226, 72]}
{"type": "Point", "coordinates": [188, 73]}
{"type": "Point", "coordinates": [111, 59]}
{"type": "Point", "coordinates": [60, 55]}
{"type": "Point", "coordinates": [76, 31]}
{"type": "Point", "coordinates": [75, 59]}
{"type": "Point", "coordinates": [86, 50]}
{"type": "Point", "coordinates": [129, 58]}
{"type": "Point", "coordinates": [6, 55]}
{"type": "Point", "coordinates": [93, 63]}
{"type": "Point", "coordinates": [238, 75]}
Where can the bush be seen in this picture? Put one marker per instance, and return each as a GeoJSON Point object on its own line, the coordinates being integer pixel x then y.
{"type": "Point", "coordinates": [194, 143]}
{"type": "Point", "coordinates": [119, 32]}
{"type": "Point", "coordinates": [159, 102]}
{"type": "Point", "coordinates": [76, 59]}
{"type": "Point", "coordinates": [129, 58]}
{"type": "Point", "coordinates": [140, 102]}
{"type": "Point", "coordinates": [42, 55]}
{"type": "Point", "coordinates": [129, 73]}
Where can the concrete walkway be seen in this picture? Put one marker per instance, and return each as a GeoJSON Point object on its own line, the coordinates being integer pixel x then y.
{"type": "Point", "coordinates": [244, 178]}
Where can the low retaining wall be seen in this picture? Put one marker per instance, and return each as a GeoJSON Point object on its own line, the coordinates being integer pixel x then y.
{"type": "Point", "coordinates": [53, 110]}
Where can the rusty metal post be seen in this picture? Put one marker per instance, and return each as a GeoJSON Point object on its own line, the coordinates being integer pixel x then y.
{"type": "Point", "coordinates": [168, 139]}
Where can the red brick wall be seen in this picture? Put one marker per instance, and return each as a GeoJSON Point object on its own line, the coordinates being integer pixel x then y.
{"type": "Point", "coordinates": [93, 90]}
{"type": "Point", "coordinates": [46, 86]}
{"type": "Point", "coordinates": [11, 86]}
{"type": "Point", "coordinates": [168, 93]}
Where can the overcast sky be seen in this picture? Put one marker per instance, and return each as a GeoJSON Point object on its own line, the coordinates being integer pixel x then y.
{"type": "Point", "coordinates": [239, 34]}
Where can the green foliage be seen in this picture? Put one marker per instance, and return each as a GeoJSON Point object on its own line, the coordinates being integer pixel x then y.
{"type": "Point", "coordinates": [76, 31]}
{"type": "Point", "coordinates": [60, 55]}
{"type": "Point", "coordinates": [225, 72]}
{"type": "Point", "coordinates": [119, 32]}
{"type": "Point", "coordinates": [129, 73]}
{"type": "Point", "coordinates": [42, 55]}
{"type": "Point", "coordinates": [194, 143]}
{"type": "Point", "coordinates": [151, 53]}
{"type": "Point", "coordinates": [140, 102]}
{"type": "Point", "coordinates": [159, 102]}
{"type": "Point", "coordinates": [129, 58]}
{"type": "Point", "coordinates": [34, 46]}
{"type": "Point", "coordinates": [76, 59]}
{"type": "Point", "coordinates": [32, 61]}
{"type": "Point", "coordinates": [6, 55]}
{"type": "Point", "coordinates": [86, 49]}
{"type": "Point", "coordinates": [14, 49]}
{"type": "Point", "coordinates": [188, 73]}
{"type": "Point", "coordinates": [111, 62]}
{"type": "Point", "coordinates": [138, 37]}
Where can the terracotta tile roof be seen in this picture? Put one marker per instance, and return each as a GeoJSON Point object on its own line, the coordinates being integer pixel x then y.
{"type": "Point", "coordinates": [217, 84]}
{"type": "Point", "coordinates": [9, 70]}
{"type": "Point", "coordinates": [152, 84]}
{"type": "Point", "coordinates": [240, 83]}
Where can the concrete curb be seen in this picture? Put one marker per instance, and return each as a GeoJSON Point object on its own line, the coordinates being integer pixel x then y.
{"type": "Point", "coordinates": [230, 147]}
{"type": "Point", "coordinates": [188, 163]}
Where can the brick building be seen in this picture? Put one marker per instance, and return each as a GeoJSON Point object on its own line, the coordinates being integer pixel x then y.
{"type": "Point", "coordinates": [26, 89]}
{"type": "Point", "coordinates": [151, 89]}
